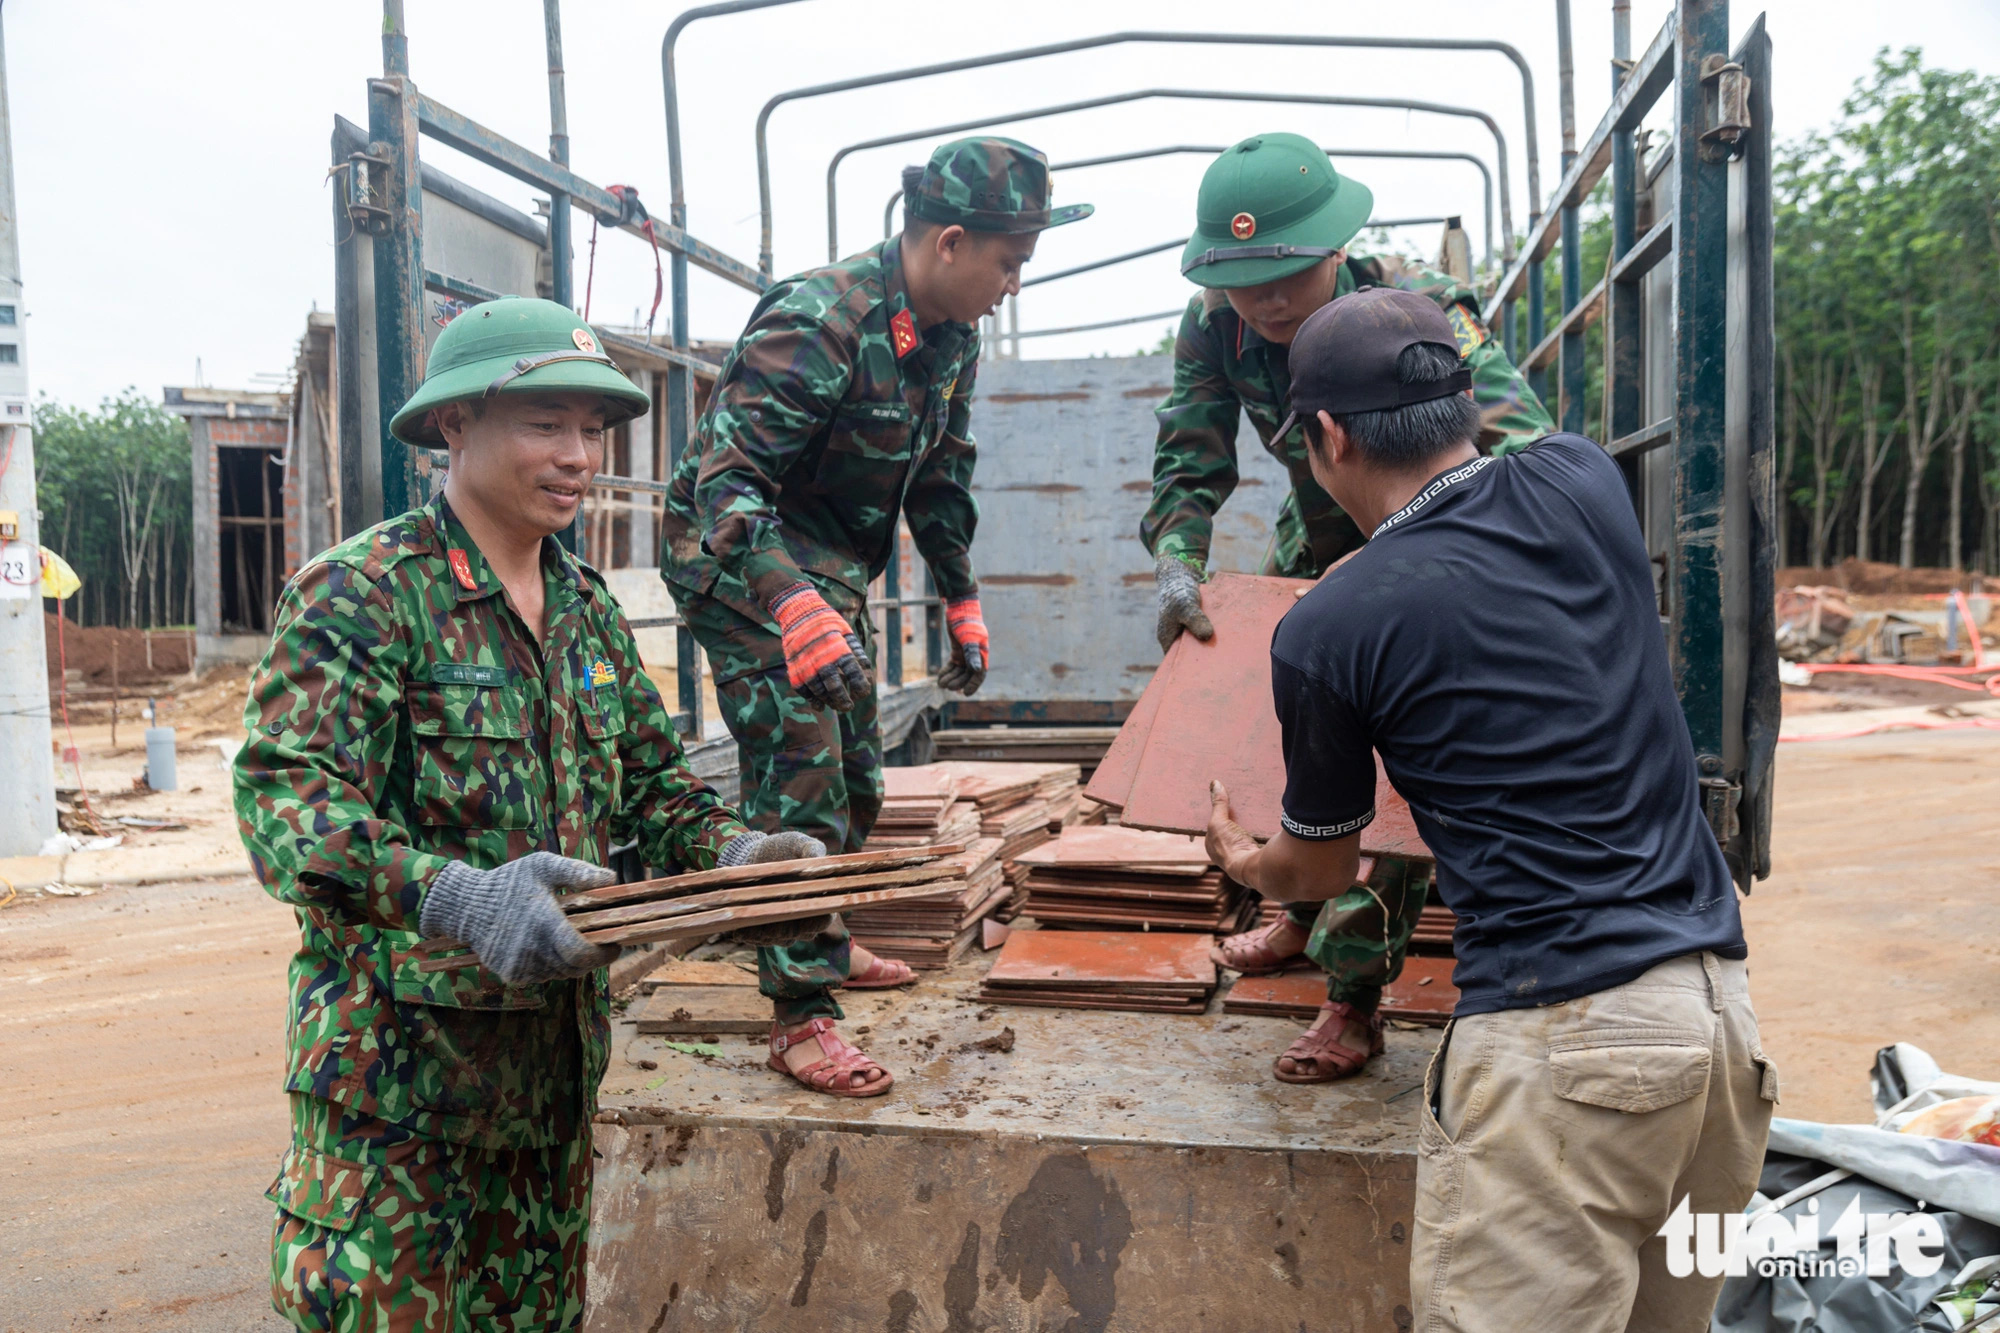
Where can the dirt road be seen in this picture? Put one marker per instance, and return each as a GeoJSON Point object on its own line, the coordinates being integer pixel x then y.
{"type": "Point", "coordinates": [141, 1028]}
{"type": "Point", "coordinates": [141, 1045]}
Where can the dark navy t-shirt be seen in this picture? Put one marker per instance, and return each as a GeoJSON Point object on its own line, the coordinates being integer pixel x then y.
{"type": "Point", "coordinates": [1498, 642]}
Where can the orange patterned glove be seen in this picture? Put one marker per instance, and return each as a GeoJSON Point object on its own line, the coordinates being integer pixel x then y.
{"type": "Point", "coordinates": [970, 650]}
{"type": "Point", "coordinates": [822, 655]}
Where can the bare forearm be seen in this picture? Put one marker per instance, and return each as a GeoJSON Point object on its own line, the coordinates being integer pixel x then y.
{"type": "Point", "coordinates": [1293, 870]}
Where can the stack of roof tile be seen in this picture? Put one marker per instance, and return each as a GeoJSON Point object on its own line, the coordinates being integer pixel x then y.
{"type": "Point", "coordinates": [1073, 745]}
{"type": "Point", "coordinates": [1018, 803]}
{"type": "Point", "coordinates": [1073, 969]}
{"type": "Point", "coordinates": [1421, 993]}
{"type": "Point", "coordinates": [936, 930]}
{"type": "Point", "coordinates": [1112, 878]}
{"type": "Point", "coordinates": [921, 806]}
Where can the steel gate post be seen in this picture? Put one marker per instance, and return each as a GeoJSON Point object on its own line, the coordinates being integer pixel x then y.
{"type": "Point", "coordinates": [1701, 382]}
{"type": "Point", "coordinates": [398, 253]}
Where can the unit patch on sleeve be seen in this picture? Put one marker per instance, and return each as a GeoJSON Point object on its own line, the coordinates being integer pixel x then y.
{"type": "Point", "coordinates": [1466, 328]}
{"type": "Point", "coordinates": [601, 673]}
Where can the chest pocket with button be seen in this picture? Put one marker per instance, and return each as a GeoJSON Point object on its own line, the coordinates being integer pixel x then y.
{"type": "Point", "coordinates": [475, 766]}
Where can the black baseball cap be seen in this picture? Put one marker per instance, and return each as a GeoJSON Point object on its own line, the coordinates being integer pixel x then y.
{"type": "Point", "coordinates": [1343, 358]}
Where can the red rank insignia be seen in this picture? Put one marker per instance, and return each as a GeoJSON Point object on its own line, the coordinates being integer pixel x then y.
{"type": "Point", "coordinates": [461, 569]}
{"type": "Point", "coordinates": [903, 333]}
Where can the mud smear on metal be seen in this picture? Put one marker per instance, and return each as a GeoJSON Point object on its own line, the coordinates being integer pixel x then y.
{"type": "Point", "coordinates": [832, 1176]}
{"type": "Point", "coordinates": [961, 1284]}
{"type": "Point", "coordinates": [1288, 1257]}
{"type": "Point", "coordinates": [815, 1247]}
{"type": "Point", "coordinates": [1070, 1224]}
{"type": "Point", "coordinates": [782, 1147]}
{"type": "Point", "coordinates": [902, 1309]}
{"type": "Point", "coordinates": [674, 1153]}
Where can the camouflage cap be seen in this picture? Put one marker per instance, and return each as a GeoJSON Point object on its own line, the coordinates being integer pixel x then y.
{"type": "Point", "coordinates": [988, 184]}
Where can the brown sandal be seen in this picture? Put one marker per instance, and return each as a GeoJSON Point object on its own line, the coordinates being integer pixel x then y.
{"type": "Point", "coordinates": [881, 974]}
{"type": "Point", "coordinates": [1251, 953]}
{"type": "Point", "coordinates": [1330, 1060]}
{"type": "Point", "coordinates": [834, 1073]}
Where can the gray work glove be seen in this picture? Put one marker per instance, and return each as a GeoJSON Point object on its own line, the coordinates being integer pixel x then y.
{"type": "Point", "coordinates": [760, 849]}
{"type": "Point", "coordinates": [966, 671]}
{"type": "Point", "coordinates": [754, 848]}
{"type": "Point", "coordinates": [1180, 602]}
{"type": "Point", "coordinates": [509, 916]}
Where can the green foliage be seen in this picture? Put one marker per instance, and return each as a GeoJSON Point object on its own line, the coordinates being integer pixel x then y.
{"type": "Point", "coordinates": [1887, 268]}
{"type": "Point", "coordinates": [114, 486]}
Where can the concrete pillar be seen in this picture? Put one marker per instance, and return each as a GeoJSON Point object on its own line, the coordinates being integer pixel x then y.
{"type": "Point", "coordinates": [26, 819]}
{"type": "Point", "coordinates": [644, 531]}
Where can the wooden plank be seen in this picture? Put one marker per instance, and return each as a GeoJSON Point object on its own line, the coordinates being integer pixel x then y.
{"type": "Point", "coordinates": [1207, 724]}
{"type": "Point", "coordinates": [687, 972]}
{"type": "Point", "coordinates": [696, 1010]}
{"type": "Point", "coordinates": [1111, 784]}
{"type": "Point", "coordinates": [1214, 717]}
{"type": "Point", "coordinates": [1117, 847]}
{"type": "Point", "coordinates": [660, 909]}
{"type": "Point", "coordinates": [817, 867]}
{"type": "Point", "coordinates": [1076, 958]}
{"type": "Point", "coordinates": [753, 914]}
{"type": "Point", "coordinates": [1423, 993]}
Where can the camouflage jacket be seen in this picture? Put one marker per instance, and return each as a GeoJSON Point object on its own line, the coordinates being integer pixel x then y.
{"type": "Point", "coordinates": [1221, 366]}
{"type": "Point", "coordinates": [832, 413]}
{"type": "Point", "coordinates": [404, 718]}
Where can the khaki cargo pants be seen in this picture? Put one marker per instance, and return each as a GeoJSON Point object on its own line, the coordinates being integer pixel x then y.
{"type": "Point", "coordinates": [1555, 1141]}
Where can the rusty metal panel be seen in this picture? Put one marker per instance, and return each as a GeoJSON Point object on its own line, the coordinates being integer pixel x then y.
{"type": "Point", "coordinates": [1064, 475]}
{"type": "Point", "coordinates": [1060, 1179]}
{"type": "Point", "coordinates": [706, 1226]}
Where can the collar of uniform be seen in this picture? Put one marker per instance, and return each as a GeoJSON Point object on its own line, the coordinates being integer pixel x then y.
{"type": "Point", "coordinates": [896, 294]}
{"type": "Point", "coordinates": [452, 536]}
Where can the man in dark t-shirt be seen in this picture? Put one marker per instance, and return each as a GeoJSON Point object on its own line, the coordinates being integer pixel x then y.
{"type": "Point", "coordinates": [1497, 643]}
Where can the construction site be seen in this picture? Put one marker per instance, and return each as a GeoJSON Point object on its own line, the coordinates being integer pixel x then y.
{"type": "Point", "coordinates": [1101, 1117]}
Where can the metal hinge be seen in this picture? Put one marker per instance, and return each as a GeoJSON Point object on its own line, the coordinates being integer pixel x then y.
{"type": "Point", "coordinates": [1729, 109]}
{"type": "Point", "coordinates": [367, 184]}
{"type": "Point", "coordinates": [1719, 799]}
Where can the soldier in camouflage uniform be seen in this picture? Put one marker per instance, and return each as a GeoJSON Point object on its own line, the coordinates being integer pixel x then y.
{"type": "Point", "coordinates": [451, 724]}
{"type": "Point", "coordinates": [1270, 246]}
{"type": "Point", "coordinates": [845, 402]}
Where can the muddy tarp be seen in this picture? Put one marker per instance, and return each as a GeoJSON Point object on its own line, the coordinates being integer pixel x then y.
{"type": "Point", "coordinates": [1956, 1183]}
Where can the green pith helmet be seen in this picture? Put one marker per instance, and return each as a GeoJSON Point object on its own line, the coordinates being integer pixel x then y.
{"type": "Point", "coordinates": [1270, 207]}
{"type": "Point", "coordinates": [989, 184]}
{"type": "Point", "coordinates": [516, 344]}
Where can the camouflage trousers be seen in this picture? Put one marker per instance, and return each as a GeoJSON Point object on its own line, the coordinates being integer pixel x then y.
{"type": "Point", "coordinates": [381, 1231]}
{"type": "Point", "coordinates": [1360, 937]}
{"type": "Point", "coordinates": [802, 767]}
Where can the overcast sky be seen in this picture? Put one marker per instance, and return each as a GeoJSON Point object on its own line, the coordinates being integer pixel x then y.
{"type": "Point", "coordinates": [170, 159]}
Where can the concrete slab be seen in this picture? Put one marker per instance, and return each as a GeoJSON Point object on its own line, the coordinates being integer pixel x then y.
{"type": "Point", "coordinates": [1148, 1164]}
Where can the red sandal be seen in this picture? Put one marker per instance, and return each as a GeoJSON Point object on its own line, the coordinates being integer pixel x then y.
{"type": "Point", "coordinates": [1330, 1061]}
{"type": "Point", "coordinates": [1251, 952]}
{"type": "Point", "coordinates": [881, 974]}
{"type": "Point", "coordinates": [834, 1072]}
